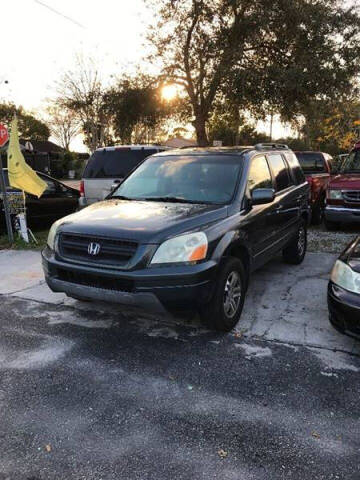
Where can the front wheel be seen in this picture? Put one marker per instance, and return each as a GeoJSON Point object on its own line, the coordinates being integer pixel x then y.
{"type": "Point", "coordinates": [224, 309]}
{"type": "Point", "coordinates": [294, 253]}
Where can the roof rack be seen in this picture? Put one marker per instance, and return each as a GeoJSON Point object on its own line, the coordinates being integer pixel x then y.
{"type": "Point", "coordinates": [274, 146]}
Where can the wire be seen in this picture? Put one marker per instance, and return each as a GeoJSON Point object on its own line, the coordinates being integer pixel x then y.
{"type": "Point", "coordinates": [60, 14]}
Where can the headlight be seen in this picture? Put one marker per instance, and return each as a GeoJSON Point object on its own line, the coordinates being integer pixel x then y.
{"type": "Point", "coordinates": [335, 194]}
{"type": "Point", "coordinates": [343, 276]}
{"type": "Point", "coordinates": [52, 235]}
{"type": "Point", "coordinates": [185, 248]}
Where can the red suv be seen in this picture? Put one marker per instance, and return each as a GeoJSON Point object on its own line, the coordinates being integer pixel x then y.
{"type": "Point", "coordinates": [317, 169]}
{"type": "Point", "coordinates": [343, 193]}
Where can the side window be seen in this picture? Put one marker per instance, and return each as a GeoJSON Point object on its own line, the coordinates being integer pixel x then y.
{"type": "Point", "coordinates": [295, 167]}
{"type": "Point", "coordinates": [280, 171]}
{"type": "Point", "coordinates": [259, 174]}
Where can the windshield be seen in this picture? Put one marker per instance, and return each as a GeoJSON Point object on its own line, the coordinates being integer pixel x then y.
{"type": "Point", "coordinates": [192, 178]}
{"type": "Point", "coordinates": [115, 163]}
{"type": "Point", "coordinates": [352, 163]}
{"type": "Point", "coordinates": [311, 162]}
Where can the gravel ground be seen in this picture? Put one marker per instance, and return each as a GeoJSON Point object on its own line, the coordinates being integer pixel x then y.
{"type": "Point", "coordinates": [321, 240]}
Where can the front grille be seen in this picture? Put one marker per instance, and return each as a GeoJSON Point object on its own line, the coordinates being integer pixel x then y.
{"type": "Point", "coordinates": [97, 281]}
{"type": "Point", "coordinates": [351, 195]}
{"type": "Point", "coordinates": [113, 252]}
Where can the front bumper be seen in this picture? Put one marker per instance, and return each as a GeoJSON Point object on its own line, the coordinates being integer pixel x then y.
{"type": "Point", "coordinates": [179, 287]}
{"type": "Point", "coordinates": [342, 214]}
{"type": "Point", "coordinates": [344, 309]}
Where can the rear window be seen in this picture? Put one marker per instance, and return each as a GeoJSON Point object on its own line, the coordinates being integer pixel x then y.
{"type": "Point", "coordinates": [311, 162]}
{"type": "Point", "coordinates": [115, 163]}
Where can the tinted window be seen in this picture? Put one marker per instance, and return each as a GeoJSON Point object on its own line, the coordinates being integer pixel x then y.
{"type": "Point", "coordinates": [259, 174]}
{"type": "Point", "coordinates": [280, 171]}
{"type": "Point", "coordinates": [352, 163]}
{"type": "Point", "coordinates": [295, 167]}
{"type": "Point", "coordinates": [51, 186]}
{"type": "Point", "coordinates": [311, 162]}
{"type": "Point", "coordinates": [114, 163]}
{"type": "Point", "coordinates": [193, 178]}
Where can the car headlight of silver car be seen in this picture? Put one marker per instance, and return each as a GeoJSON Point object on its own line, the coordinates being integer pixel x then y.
{"type": "Point", "coordinates": [343, 276]}
{"type": "Point", "coordinates": [335, 194]}
{"type": "Point", "coordinates": [52, 235]}
{"type": "Point", "coordinates": [191, 247]}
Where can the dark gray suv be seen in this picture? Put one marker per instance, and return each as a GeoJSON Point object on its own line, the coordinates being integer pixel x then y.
{"type": "Point", "coordinates": [185, 229]}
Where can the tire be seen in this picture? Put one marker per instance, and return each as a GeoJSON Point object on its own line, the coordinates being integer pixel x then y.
{"type": "Point", "coordinates": [317, 216]}
{"type": "Point", "coordinates": [332, 225]}
{"type": "Point", "coordinates": [220, 314]}
{"type": "Point", "coordinates": [295, 252]}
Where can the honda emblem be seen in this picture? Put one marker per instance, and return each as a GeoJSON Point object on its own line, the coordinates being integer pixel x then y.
{"type": "Point", "coordinates": [94, 248]}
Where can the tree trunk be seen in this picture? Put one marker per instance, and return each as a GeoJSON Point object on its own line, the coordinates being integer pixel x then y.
{"type": "Point", "coordinates": [200, 128]}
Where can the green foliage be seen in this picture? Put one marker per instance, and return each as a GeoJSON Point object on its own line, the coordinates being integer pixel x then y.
{"type": "Point", "coordinates": [30, 128]}
{"type": "Point", "coordinates": [20, 244]}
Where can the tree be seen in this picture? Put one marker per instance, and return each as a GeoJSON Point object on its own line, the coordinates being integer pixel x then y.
{"type": "Point", "coordinates": [64, 124]}
{"type": "Point", "coordinates": [231, 45]}
{"type": "Point", "coordinates": [333, 128]}
{"type": "Point", "coordinates": [308, 58]}
{"type": "Point", "coordinates": [81, 92]}
{"type": "Point", "coordinates": [137, 110]}
{"type": "Point", "coordinates": [30, 128]}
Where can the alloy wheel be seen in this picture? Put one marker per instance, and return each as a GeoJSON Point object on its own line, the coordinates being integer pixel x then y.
{"type": "Point", "coordinates": [232, 294]}
{"type": "Point", "coordinates": [301, 241]}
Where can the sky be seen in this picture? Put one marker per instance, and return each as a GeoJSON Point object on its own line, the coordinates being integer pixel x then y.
{"type": "Point", "coordinates": [42, 37]}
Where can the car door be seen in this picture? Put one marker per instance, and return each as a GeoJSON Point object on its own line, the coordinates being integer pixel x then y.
{"type": "Point", "coordinates": [50, 206]}
{"type": "Point", "coordinates": [286, 201]}
{"type": "Point", "coordinates": [259, 221]}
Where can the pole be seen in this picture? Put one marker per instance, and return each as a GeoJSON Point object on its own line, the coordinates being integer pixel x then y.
{"type": "Point", "coordinates": [5, 203]}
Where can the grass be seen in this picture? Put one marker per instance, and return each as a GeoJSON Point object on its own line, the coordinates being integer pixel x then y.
{"type": "Point", "coordinates": [19, 244]}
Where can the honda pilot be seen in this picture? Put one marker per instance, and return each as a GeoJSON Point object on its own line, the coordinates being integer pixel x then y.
{"type": "Point", "coordinates": [185, 229]}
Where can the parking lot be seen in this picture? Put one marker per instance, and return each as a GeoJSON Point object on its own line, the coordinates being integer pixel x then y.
{"type": "Point", "coordinates": [103, 391]}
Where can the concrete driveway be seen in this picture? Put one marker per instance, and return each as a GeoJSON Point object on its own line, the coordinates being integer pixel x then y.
{"type": "Point", "coordinates": [284, 303]}
{"type": "Point", "coordinates": [96, 391]}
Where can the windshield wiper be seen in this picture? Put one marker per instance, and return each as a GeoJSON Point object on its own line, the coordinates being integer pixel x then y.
{"type": "Point", "coordinates": [170, 200]}
{"type": "Point", "coordinates": [121, 197]}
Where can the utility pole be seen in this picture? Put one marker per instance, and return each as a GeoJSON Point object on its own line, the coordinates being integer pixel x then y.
{"type": "Point", "coordinates": [271, 126]}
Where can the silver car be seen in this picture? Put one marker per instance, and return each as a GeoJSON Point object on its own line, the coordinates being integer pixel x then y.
{"type": "Point", "coordinates": [108, 166]}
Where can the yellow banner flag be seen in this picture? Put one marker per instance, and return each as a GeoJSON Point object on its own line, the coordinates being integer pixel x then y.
{"type": "Point", "coordinates": [21, 176]}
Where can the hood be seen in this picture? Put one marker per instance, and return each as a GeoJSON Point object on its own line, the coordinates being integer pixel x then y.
{"type": "Point", "coordinates": [351, 254]}
{"type": "Point", "coordinates": [346, 181]}
{"type": "Point", "coordinates": [144, 222]}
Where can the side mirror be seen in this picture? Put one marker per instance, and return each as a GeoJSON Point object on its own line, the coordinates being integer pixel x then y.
{"type": "Point", "coordinates": [260, 196]}
{"type": "Point", "coordinates": [115, 184]}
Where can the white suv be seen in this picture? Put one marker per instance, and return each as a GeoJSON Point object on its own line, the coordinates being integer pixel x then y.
{"type": "Point", "coordinates": [108, 166]}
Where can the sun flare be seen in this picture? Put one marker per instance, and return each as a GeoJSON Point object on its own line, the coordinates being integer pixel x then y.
{"type": "Point", "coordinates": [169, 92]}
